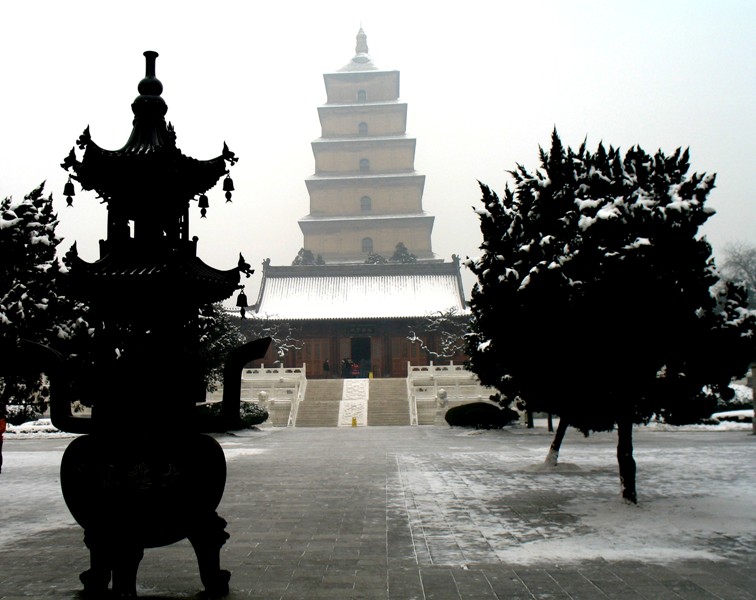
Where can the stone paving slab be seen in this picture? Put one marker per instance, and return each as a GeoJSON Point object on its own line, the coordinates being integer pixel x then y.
{"type": "Point", "coordinates": [423, 513]}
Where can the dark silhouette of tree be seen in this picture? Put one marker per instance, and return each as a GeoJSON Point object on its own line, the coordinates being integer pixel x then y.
{"type": "Point", "coordinates": [33, 301]}
{"type": "Point", "coordinates": [219, 335]}
{"type": "Point", "coordinates": [595, 299]}
{"type": "Point", "coordinates": [402, 255]}
{"type": "Point", "coordinates": [375, 259]}
{"type": "Point", "coordinates": [307, 258]}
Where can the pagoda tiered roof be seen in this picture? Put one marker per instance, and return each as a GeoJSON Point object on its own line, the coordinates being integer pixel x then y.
{"type": "Point", "coordinates": [149, 164]}
{"type": "Point", "coordinates": [132, 279]}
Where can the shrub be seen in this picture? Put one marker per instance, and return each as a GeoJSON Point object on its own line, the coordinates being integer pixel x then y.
{"type": "Point", "coordinates": [250, 414]}
{"type": "Point", "coordinates": [253, 414]}
{"type": "Point", "coordinates": [19, 414]}
{"type": "Point", "coordinates": [480, 415]}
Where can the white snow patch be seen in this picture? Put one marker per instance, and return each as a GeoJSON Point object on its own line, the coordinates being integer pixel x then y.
{"type": "Point", "coordinates": [233, 453]}
{"type": "Point", "coordinates": [695, 503]}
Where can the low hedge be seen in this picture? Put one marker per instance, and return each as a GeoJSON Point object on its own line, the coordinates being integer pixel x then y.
{"type": "Point", "coordinates": [250, 414]}
{"type": "Point", "coordinates": [481, 415]}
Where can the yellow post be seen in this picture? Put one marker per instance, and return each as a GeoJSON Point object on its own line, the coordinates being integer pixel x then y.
{"type": "Point", "coordinates": [354, 421]}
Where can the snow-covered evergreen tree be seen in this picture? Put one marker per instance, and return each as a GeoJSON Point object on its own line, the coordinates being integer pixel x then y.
{"type": "Point", "coordinates": [219, 335]}
{"type": "Point", "coordinates": [402, 255]}
{"type": "Point", "coordinates": [33, 302]}
{"type": "Point", "coordinates": [597, 300]}
{"type": "Point", "coordinates": [375, 259]}
{"type": "Point", "coordinates": [307, 258]}
{"type": "Point", "coordinates": [740, 265]}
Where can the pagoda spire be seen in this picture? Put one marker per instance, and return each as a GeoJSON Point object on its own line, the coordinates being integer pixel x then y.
{"type": "Point", "coordinates": [361, 61]}
{"type": "Point", "coordinates": [362, 47]}
{"type": "Point", "coordinates": [150, 129]}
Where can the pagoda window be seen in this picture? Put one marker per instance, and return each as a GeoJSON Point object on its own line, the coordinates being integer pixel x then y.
{"type": "Point", "coordinates": [366, 204]}
{"type": "Point", "coordinates": [363, 128]}
{"type": "Point", "coordinates": [361, 96]}
{"type": "Point", "coordinates": [364, 164]}
{"type": "Point", "coordinates": [367, 245]}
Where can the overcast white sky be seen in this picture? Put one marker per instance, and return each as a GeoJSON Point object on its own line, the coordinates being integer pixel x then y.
{"type": "Point", "coordinates": [486, 81]}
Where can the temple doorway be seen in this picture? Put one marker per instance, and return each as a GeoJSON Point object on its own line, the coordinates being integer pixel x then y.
{"type": "Point", "coordinates": [361, 355]}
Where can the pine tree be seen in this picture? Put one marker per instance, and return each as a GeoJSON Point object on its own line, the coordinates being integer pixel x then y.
{"type": "Point", "coordinates": [33, 303]}
{"type": "Point", "coordinates": [219, 335]}
{"type": "Point", "coordinates": [307, 258]}
{"type": "Point", "coordinates": [375, 259]}
{"type": "Point", "coordinates": [402, 255]}
{"type": "Point", "coordinates": [740, 265]}
{"type": "Point", "coordinates": [597, 301]}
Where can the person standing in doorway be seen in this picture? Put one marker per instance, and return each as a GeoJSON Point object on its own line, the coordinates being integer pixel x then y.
{"type": "Point", "coordinates": [326, 369]}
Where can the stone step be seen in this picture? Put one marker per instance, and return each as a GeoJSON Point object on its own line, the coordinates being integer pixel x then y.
{"type": "Point", "coordinates": [318, 413]}
{"type": "Point", "coordinates": [324, 390]}
{"type": "Point", "coordinates": [388, 403]}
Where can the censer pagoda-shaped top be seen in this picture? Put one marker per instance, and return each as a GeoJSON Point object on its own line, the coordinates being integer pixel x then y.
{"type": "Point", "coordinates": [148, 185]}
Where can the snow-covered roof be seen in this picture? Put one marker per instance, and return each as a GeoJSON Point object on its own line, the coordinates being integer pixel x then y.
{"type": "Point", "coordinates": [360, 291]}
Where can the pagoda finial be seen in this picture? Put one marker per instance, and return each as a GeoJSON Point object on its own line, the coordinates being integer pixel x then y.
{"type": "Point", "coordinates": [150, 85]}
{"type": "Point", "coordinates": [362, 47]}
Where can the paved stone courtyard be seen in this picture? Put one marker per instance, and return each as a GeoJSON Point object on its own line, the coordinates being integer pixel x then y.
{"type": "Point", "coordinates": [427, 513]}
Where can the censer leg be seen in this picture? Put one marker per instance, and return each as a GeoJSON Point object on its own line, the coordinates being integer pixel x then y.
{"type": "Point", "coordinates": [207, 539]}
{"type": "Point", "coordinates": [97, 578]}
{"type": "Point", "coordinates": [125, 567]}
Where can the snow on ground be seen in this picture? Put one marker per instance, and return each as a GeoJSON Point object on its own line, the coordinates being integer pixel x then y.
{"type": "Point", "coordinates": [41, 428]}
{"type": "Point", "coordinates": [695, 503]}
{"type": "Point", "coordinates": [31, 504]}
{"type": "Point", "coordinates": [494, 500]}
{"type": "Point", "coordinates": [696, 500]}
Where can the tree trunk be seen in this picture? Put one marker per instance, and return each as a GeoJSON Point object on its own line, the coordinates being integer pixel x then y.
{"type": "Point", "coordinates": [553, 456]}
{"type": "Point", "coordinates": [551, 423]}
{"type": "Point", "coordinates": [529, 416]}
{"type": "Point", "coordinates": [625, 459]}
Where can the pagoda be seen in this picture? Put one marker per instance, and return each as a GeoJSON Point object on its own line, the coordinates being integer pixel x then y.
{"type": "Point", "coordinates": [365, 195]}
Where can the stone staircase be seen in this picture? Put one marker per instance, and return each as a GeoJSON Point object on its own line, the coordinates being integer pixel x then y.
{"type": "Point", "coordinates": [278, 414]}
{"type": "Point", "coordinates": [387, 404]}
{"type": "Point", "coordinates": [320, 407]}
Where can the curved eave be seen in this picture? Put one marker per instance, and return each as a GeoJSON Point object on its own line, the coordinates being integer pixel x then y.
{"type": "Point", "coordinates": [151, 277]}
{"type": "Point", "coordinates": [166, 170]}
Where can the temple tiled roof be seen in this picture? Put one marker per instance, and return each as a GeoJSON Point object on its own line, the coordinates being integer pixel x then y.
{"type": "Point", "coordinates": [360, 291]}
